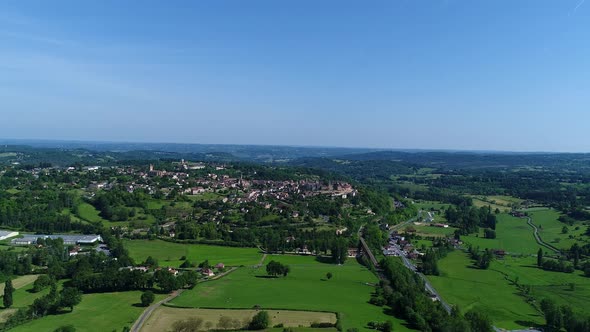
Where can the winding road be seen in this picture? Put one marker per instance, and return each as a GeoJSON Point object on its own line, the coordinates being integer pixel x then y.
{"type": "Point", "coordinates": [538, 237]}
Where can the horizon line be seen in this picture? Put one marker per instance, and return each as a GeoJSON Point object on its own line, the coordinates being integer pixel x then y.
{"type": "Point", "coordinates": [369, 149]}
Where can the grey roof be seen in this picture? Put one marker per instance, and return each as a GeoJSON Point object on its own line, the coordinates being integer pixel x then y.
{"type": "Point", "coordinates": [6, 233]}
{"type": "Point", "coordinates": [67, 238]}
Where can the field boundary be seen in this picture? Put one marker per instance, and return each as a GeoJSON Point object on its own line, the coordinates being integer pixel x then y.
{"type": "Point", "coordinates": [171, 305]}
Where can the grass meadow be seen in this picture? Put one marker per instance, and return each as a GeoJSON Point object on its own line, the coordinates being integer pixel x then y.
{"type": "Point", "coordinates": [461, 284]}
{"type": "Point", "coordinates": [97, 312]}
{"type": "Point", "coordinates": [305, 288]}
{"type": "Point", "coordinates": [550, 229]}
{"type": "Point", "coordinates": [169, 253]}
{"type": "Point", "coordinates": [512, 234]}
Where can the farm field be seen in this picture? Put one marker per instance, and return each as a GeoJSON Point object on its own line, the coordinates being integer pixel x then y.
{"type": "Point", "coordinates": [481, 203]}
{"type": "Point", "coordinates": [20, 282]}
{"type": "Point", "coordinates": [164, 317]}
{"type": "Point", "coordinates": [550, 229]}
{"type": "Point", "coordinates": [96, 312]}
{"type": "Point", "coordinates": [462, 285]}
{"type": "Point", "coordinates": [547, 284]}
{"type": "Point", "coordinates": [22, 296]}
{"type": "Point", "coordinates": [512, 234]}
{"type": "Point", "coordinates": [169, 253]}
{"type": "Point", "coordinates": [428, 230]}
{"type": "Point", "coordinates": [505, 200]}
{"type": "Point", "coordinates": [305, 288]}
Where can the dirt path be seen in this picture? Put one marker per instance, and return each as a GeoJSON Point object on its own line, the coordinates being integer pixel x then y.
{"type": "Point", "coordinates": [261, 261]}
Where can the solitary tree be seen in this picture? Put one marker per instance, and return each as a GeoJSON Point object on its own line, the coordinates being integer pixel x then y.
{"type": "Point", "coordinates": [339, 250]}
{"type": "Point", "coordinates": [274, 268]}
{"type": "Point", "coordinates": [260, 321]}
{"type": "Point", "coordinates": [69, 297]}
{"type": "Point", "coordinates": [329, 275]}
{"type": "Point", "coordinates": [540, 257]}
{"type": "Point", "coordinates": [479, 321]}
{"type": "Point", "coordinates": [147, 298]}
{"type": "Point", "coordinates": [8, 290]}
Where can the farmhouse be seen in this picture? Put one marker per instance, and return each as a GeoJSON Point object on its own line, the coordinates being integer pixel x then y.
{"type": "Point", "coordinates": [353, 252]}
{"type": "Point", "coordinates": [208, 272]}
{"type": "Point", "coordinates": [7, 234]}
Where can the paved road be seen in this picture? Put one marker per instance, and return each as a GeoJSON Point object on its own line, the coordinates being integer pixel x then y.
{"type": "Point", "coordinates": [148, 312]}
{"type": "Point", "coordinates": [427, 283]}
{"type": "Point", "coordinates": [538, 238]}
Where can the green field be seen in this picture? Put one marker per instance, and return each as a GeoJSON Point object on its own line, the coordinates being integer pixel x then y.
{"type": "Point", "coordinates": [428, 230]}
{"type": "Point", "coordinates": [97, 312]}
{"type": "Point", "coordinates": [20, 282]}
{"type": "Point", "coordinates": [429, 205]}
{"type": "Point", "coordinates": [481, 203]}
{"type": "Point", "coordinates": [512, 234]}
{"type": "Point", "coordinates": [13, 191]}
{"type": "Point", "coordinates": [550, 229]}
{"type": "Point", "coordinates": [461, 284]}
{"type": "Point", "coordinates": [22, 296]}
{"type": "Point", "coordinates": [554, 285]}
{"type": "Point", "coordinates": [347, 292]}
{"type": "Point", "coordinates": [169, 253]}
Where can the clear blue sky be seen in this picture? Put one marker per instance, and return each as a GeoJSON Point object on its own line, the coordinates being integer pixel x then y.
{"type": "Point", "coordinates": [493, 74]}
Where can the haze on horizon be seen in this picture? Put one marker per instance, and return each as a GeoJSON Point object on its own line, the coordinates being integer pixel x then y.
{"type": "Point", "coordinates": [442, 74]}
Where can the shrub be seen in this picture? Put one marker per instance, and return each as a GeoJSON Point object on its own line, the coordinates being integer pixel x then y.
{"type": "Point", "coordinates": [260, 321]}
{"type": "Point", "coordinates": [147, 298]}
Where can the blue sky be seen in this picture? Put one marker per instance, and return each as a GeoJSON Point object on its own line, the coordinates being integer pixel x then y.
{"type": "Point", "coordinates": [485, 75]}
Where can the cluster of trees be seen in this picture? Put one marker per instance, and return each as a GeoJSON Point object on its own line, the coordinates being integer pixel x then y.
{"type": "Point", "coordinates": [272, 239]}
{"type": "Point", "coordinates": [489, 233]}
{"type": "Point", "coordinates": [468, 218]}
{"type": "Point", "coordinates": [115, 280]}
{"type": "Point", "coordinates": [50, 304]}
{"type": "Point", "coordinates": [339, 250]}
{"type": "Point", "coordinates": [274, 268]}
{"type": "Point", "coordinates": [440, 249]}
{"type": "Point", "coordinates": [558, 317]}
{"type": "Point", "coordinates": [13, 263]}
{"type": "Point", "coordinates": [39, 209]}
{"type": "Point", "coordinates": [482, 259]}
{"type": "Point", "coordinates": [557, 266]}
{"type": "Point", "coordinates": [404, 293]}
{"type": "Point", "coordinates": [118, 204]}
{"type": "Point", "coordinates": [386, 326]}
{"type": "Point", "coordinates": [429, 263]}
